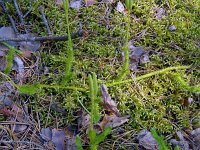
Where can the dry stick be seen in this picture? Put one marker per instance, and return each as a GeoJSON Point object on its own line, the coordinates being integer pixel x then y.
{"type": "Point", "coordinates": [44, 38]}
{"type": "Point", "coordinates": [44, 19]}
{"type": "Point", "coordinates": [21, 18]}
{"type": "Point", "coordinates": [9, 16]}
{"type": "Point", "coordinates": [28, 12]}
{"type": "Point", "coordinates": [22, 142]}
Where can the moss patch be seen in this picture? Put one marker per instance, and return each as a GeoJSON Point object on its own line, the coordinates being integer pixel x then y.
{"type": "Point", "coordinates": [157, 101]}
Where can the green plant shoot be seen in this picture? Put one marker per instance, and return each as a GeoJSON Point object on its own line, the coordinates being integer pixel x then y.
{"type": "Point", "coordinates": [93, 90]}
{"type": "Point", "coordinates": [161, 143]}
{"type": "Point", "coordinates": [129, 4]}
{"type": "Point", "coordinates": [9, 60]}
{"type": "Point", "coordinates": [70, 52]}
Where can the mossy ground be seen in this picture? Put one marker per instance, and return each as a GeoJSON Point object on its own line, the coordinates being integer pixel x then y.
{"type": "Point", "coordinates": [153, 102]}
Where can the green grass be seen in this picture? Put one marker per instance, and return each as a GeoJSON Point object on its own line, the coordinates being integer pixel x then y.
{"type": "Point", "coordinates": [151, 100]}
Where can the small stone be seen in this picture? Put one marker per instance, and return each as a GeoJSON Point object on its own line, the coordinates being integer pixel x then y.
{"type": "Point", "coordinates": [120, 7]}
{"type": "Point", "coordinates": [172, 28]}
{"type": "Point", "coordinates": [76, 4]}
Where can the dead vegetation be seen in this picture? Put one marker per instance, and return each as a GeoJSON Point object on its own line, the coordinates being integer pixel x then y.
{"type": "Point", "coordinates": [99, 75]}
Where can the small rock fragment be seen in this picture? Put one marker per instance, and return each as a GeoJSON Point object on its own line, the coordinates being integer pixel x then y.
{"type": "Point", "coordinates": [172, 28]}
{"type": "Point", "coordinates": [76, 4]}
{"type": "Point", "coordinates": [120, 7]}
{"type": "Point", "coordinates": [159, 13]}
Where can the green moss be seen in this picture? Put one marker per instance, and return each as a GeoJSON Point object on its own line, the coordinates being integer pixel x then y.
{"type": "Point", "coordinates": [156, 101]}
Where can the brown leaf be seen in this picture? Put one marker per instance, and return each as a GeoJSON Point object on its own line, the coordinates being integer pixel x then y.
{"type": "Point", "coordinates": [120, 8]}
{"type": "Point", "coordinates": [108, 103]}
{"type": "Point", "coordinates": [136, 56]}
{"type": "Point", "coordinates": [55, 106]}
{"type": "Point", "coordinates": [2, 61]}
{"type": "Point", "coordinates": [147, 141]}
{"type": "Point", "coordinates": [6, 88]}
{"type": "Point", "coordinates": [59, 2]}
{"type": "Point", "coordinates": [46, 134]}
{"type": "Point", "coordinates": [59, 138]}
{"type": "Point", "coordinates": [113, 121]}
{"type": "Point", "coordinates": [5, 112]}
{"type": "Point", "coordinates": [196, 135]}
{"type": "Point", "coordinates": [89, 2]}
{"type": "Point", "coordinates": [83, 120]}
{"type": "Point", "coordinates": [5, 101]}
{"type": "Point", "coordinates": [18, 113]}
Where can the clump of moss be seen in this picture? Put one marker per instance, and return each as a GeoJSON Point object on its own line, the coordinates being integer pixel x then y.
{"type": "Point", "coordinates": [154, 102]}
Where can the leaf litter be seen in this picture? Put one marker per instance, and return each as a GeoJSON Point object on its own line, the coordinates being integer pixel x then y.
{"type": "Point", "coordinates": [17, 64]}
{"type": "Point", "coordinates": [23, 123]}
{"type": "Point", "coordinates": [146, 140]}
{"type": "Point", "coordinates": [137, 56]}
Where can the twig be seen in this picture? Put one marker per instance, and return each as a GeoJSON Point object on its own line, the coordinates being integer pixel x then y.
{"type": "Point", "coordinates": [44, 38]}
{"type": "Point", "coordinates": [9, 16]}
{"type": "Point", "coordinates": [28, 12]}
{"type": "Point", "coordinates": [21, 18]}
{"type": "Point", "coordinates": [44, 19]}
{"type": "Point", "coordinates": [22, 142]}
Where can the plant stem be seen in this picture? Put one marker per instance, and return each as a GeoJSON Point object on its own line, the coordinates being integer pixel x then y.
{"type": "Point", "coordinates": [63, 87]}
{"type": "Point", "coordinates": [125, 68]}
{"type": "Point", "coordinates": [162, 71]}
{"type": "Point", "coordinates": [70, 57]}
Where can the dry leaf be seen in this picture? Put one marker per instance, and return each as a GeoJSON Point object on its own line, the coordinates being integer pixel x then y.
{"type": "Point", "coordinates": [147, 141]}
{"type": "Point", "coordinates": [59, 138]}
{"type": "Point", "coordinates": [112, 121]}
{"type": "Point", "coordinates": [59, 2]}
{"type": "Point", "coordinates": [18, 66]}
{"type": "Point", "coordinates": [31, 46]}
{"type": "Point", "coordinates": [108, 103]}
{"type": "Point", "coordinates": [136, 56]}
{"type": "Point", "coordinates": [159, 12]}
{"type": "Point", "coordinates": [6, 88]}
{"type": "Point", "coordinates": [8, 32]}
{"type": "Point", "coordinates": [120, 8]}
{"type": "Point", "coordinates": [55, 106]}
{"type": "Point", "coordinates": [184, 145]}
{"type": "Point", "coordinates": [89, 2]}
{"type": "Point", "coordinates": [46, 134]}
{"type": "Point", "coordinates": [83, 120]}
{"type": "Point", "coordinates": [196, 135]}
